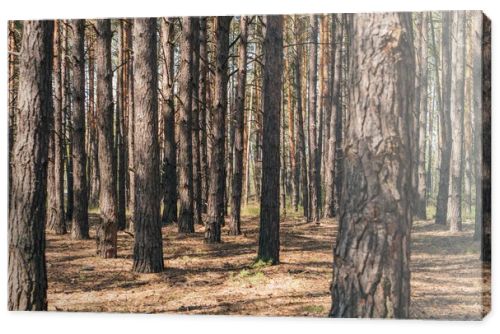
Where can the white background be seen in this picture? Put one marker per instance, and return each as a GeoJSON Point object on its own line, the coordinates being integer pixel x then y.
{"type": "Point", "coordinates": [17, 322]}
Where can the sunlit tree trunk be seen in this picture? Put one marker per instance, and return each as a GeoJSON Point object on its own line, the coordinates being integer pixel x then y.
{"type": "Point", "coordinates": [372, 252]}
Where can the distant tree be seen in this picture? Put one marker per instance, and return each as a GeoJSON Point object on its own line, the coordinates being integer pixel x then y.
{"type": "Point", "coordinates": [80, 224]}
{"type": "Point", "coordinates": [148, 249]}
{"type": "Point", "coordinates": [108, 201]}
{"type": "Point", "coordinates": [372, 251]}
{"type": "Point", "coordinates": [269, 241]}
{"type": "Point", "coordinates": [27, 273]}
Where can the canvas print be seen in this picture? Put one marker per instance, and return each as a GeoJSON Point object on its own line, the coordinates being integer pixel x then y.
{"type": "Point", "coordinates": [322, 165]}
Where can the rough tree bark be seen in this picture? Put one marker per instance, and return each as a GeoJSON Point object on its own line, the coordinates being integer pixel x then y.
{"type": "Point", "coordinates": [27, 273]}
{"type": "Point", "coordinates": [55, 173]}
{"type": "Point", "coordinates": [148, 249]}
{"type": "Point", "coordinates": [108, 201]}
{"type": "Point", "coordinates": [269, 240]}
{"type": "Point", "coordinates": [80, 221]}
{"type": "Point", "coordinates": [168, 113]}
{"type": "Point", "coordinates": [239, 118]}
{"type": "Point", "coordinates": [186, 220]}
{"type": "Point", "coordinates": [457, 122]}
{"type": "Point", "coordinates": [371, 259]}
{"type": "Point", "coordinates": [217, 182]}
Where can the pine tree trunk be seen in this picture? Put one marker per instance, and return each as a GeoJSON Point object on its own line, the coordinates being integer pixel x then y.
{"type": "Point", "coordinates": [55, 173]}
{"type": "Point", "coordinates": [239, 118]}
{"type": "Point", "coordinates": [27, 273]}
{"type": "Point", "coordinates": [131, 126]}
{"type": "Point", "coordinates": [195, 98]}
{"type": "Point", "coordinates": [457, 122]}
{"type": "Point", "coordinates": [336, 117]}
{"type": "Point", "coordinates": [371, 258]}
{"type": "Point", "coordinates": [217, 182]}
{"type": "Point", "coordinates": [421, 203]}
{"type": "Point", "coordinates": [315, 188]}
{"type": "Point", "coordinates": [121, 161]}
{"type": "Point", "coordinates": [486, 143]}
{"type": "Point", "coordinates": [148, 248]}
{"type": "Point", "coordinates": [300, 119]}
{"type": "Point", "coordinates": [186, 220]}
{"type": "Point", "coordinates": [80, 222]}
{"type": "Point", "coordinates": [477, 35]}
{"type": "Point", "coordinates": [168, 112]}
{"type": "Point", "coordinates": [108, 202]}
{"type": "Point", "coordinates": [204, 107]}
{"type": "Point", "coordinates": [445, 122]}
{"type": "Point", "coordinates": [269, 236]}
{"type": "Point", "coordinates": [68, 151]}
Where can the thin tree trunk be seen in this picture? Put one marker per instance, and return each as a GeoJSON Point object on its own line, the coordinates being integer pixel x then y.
{"type": "Point", "coordinates": [445, 122]}
{"type": "Point", "coordinates": [55, 179]}
{"type": "Point", "coordinates": [80, 222]}
{"type": "Point", "coordinates": [371, 262]}
{"type": "Point", "coordinates": [186, 219]}
{"type": "Point", "coordinates": [217, 174]}
{"type": "Point", "coordinates": [239, 118]}
{"type": "Point", "coordinates": [148, 248]}
{"type": "Point", "coordinates": [204, 107]}
{"type": "Point", "coordinates": [131, 125]}
{"type": "Point", "coordinates": [121, 163]}
{"type": "Point", "coordinates": [457, 123]}
{"type": "Point", "coordinates": [421, 203]}
{"type": "Point", "coordinates": [168, 112]}
{"type": "Point", "coordinates": [197, 181]}
{"type": "Point", "coordinates": [27, 208]}
{"type": "Point", "coordinates": [315, 187]}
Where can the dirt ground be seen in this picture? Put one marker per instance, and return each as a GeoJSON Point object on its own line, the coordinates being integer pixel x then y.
{"type": "Point", "coordinates": [223, 279]}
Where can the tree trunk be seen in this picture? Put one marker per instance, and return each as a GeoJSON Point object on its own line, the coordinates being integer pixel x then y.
{"type": "Point", "coordinates": [148, 248]}
{"type": "Point", "coordinates": [445, 122]}
{"type": "Point", "coordinates": [239, 118]}
{"type": "Point", "coordinates": [457, 122]}
{"type": "Point", "coordinates": [300, 119]}
{"type": "Point", "coordinates": [168, 112]}
{"type": "Point", "coordinates": [186, 222]}
{"type": "Point", "coordinates": [80, 222]}
{"type": "Point", "coordinates": [121, 140]}
{"type": "Point", "coordinates": [486, 143]}
{"type": "Point", "coordinates": [55, 173]}
{"type": "Point", "coordinates": [335, 120]}
{"type": "Point", "coordinates": [131, 126]}
{"type": "Point", "coordinates": [108, 204]}
{"type": "Point", "coordinates": [421, 203]}
{"type": "Point", "coordinates": [195, 98]}
{"type": "Point", "coordinates": [27, 205]}
{"type": "Point", "coordinates": [269, 238]}
{"type": "Point", "coordinates": [315, 187]}
{"type": "Point", "coordinates": [371, 262]}
{"type": "Point", "coordinates": [477, 98]}
{"type": "Point", "coordinates": [217, 182]}
{"type": "Point", "coordinates": [204, 106]}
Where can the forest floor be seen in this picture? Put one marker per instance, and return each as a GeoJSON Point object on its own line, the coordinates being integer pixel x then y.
{"type": "Point", "coordinates": [447, 277]}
